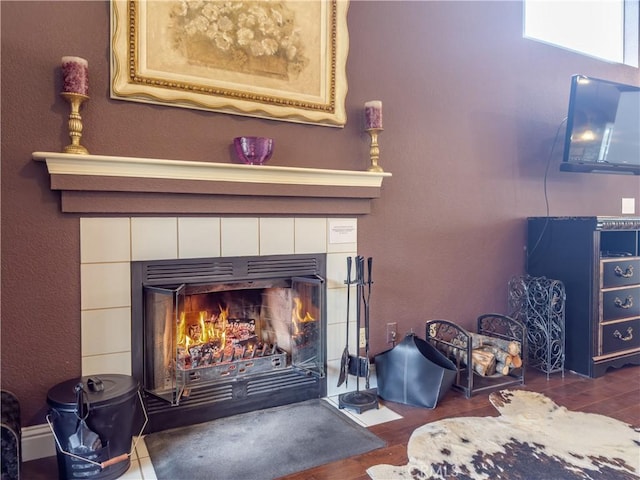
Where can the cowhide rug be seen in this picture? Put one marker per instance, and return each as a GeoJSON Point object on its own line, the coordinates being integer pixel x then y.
{"type": "Point", "coordinates": [533, 438]}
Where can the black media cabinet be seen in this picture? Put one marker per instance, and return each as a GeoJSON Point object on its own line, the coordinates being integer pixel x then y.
{"type": "Point", "coordinates": [598, 260]}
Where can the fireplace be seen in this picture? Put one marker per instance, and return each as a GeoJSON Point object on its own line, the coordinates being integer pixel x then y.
{"type": "Point", "coordinates": [213, 337]}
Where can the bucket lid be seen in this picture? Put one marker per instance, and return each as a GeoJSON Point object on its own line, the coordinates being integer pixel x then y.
{"type": "Point", "coordinates": [101, 390]}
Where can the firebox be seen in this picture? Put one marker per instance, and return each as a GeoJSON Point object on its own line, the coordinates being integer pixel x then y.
{"type": "Point", "coordinates": [227, 335]}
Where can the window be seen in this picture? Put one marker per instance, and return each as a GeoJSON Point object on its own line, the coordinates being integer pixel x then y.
{"type": "Point", "coordinates": [606, 29]}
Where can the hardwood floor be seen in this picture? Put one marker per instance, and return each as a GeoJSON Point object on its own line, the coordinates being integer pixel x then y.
{"type": "Point", "coordinates": [616, 394]}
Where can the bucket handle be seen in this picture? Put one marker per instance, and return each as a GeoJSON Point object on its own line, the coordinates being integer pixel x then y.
{"type": "Point", "coordinates": [111, 461]}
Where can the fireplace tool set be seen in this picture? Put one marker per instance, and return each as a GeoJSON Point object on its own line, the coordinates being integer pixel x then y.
{"type": "Point", "coordinates": [358, 400]}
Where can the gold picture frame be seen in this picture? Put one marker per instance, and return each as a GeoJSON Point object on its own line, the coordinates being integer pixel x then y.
{"type": "Point", "coordinates": [283, 60]}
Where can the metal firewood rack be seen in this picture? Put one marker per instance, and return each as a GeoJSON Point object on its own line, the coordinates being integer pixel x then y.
{"type": "Point", "coordinates": [539, 303]}
{"type": "Point", "coordinates": [456, 343]}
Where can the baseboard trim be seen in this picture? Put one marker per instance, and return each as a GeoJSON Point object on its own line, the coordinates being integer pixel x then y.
{"type": "Point", "coordinates": [37, 442]}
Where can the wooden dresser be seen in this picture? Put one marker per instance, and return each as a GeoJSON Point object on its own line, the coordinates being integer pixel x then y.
{"type": "Point", "coordinates": [598, 260]}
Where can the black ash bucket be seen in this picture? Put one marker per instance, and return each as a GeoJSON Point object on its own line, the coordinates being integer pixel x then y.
{"type": "Point", "coordinates": [414, 372]}
{"type": "Point", "coordinates": [92, 419]}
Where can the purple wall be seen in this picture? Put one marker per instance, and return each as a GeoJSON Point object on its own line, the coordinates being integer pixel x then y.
{"type": "Point", "coordinates": [471, 109]}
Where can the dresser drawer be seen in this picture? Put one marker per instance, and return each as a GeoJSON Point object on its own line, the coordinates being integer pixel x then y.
{"type": "Point", "coordinates": [620, 272]}
{"type": "Point", "coordinates": [620, 303]}
{"type": "Point", "coordinates": [621, 336]}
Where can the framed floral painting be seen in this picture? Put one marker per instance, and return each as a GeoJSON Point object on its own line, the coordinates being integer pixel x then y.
{"type": "Point", "coordinates": [277, 59]}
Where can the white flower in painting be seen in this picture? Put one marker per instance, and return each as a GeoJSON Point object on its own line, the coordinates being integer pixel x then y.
{"type": "Point", "coordinates": [241, 29]}
{"type": "Point", "coordinates": [181, 9]}
{"type": "Point", "coordinates": [225, 24]}
{"type": "Point", "coordinates": [246, 20]}
{"type": "Point", "coordinates": [211, 11]}
{"type": "Point", "coordinates": [259, 13]}
{"type": "Point", "coordinates": [276, 17]}
{"type": "Point", "coordinates": [270, 46]}
{"type": "Point", "coordinates": [212, 31]}
{"type": "Point", "coordinates": [223, 41]}
{"type": "Point", "coordinates": [244, 36]}
{"type": "Point", "coordinates": [198, 24]}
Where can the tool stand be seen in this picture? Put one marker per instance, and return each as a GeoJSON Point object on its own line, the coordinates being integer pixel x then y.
{"type": "Point", "coordinates": [361, 400]}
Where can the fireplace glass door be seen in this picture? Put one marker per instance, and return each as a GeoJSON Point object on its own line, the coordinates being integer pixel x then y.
{"type": "Point", "coordinates": [200, 334]}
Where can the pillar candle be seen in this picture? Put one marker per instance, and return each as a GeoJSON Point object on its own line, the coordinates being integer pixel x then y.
{"type": "Point", "coordinates": [373, 114]}
{"type": "Point", "coordinates": [75, 75]}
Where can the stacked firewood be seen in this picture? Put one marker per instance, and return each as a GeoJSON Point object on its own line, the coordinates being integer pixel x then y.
{"type": "Point", "coordinates": [490, 355]}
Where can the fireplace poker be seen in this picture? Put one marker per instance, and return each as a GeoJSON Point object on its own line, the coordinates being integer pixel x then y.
{"type": "Point", "coordinates": [366, 316]}
{"type": "Point", "coordinates": [344, 361]}
{"type": "Point", "coordinates": [360, 282]}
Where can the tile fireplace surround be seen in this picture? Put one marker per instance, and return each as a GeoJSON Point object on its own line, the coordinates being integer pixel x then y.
{"type": "Point", "coordinates": [108, 245]}
{"type": "Point", "coordinates": [241, 210]}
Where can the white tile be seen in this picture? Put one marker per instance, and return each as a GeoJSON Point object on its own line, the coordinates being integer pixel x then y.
{"type": "Point", "coordinates": [154, 238]}
{"type": "Point", "coordinates": [310, 235]}
{"type": "Point", "coordinates": [276, 236]}
{"type": "Point", "coordinates": [133, 473]}
{"type": "Point", "coordinates": [148, 472]}
{"type": "Point", "coordinates": [336, 242]}
{"type": "Point", "coordinates": [141, 448]}
{"type": "Point", "coordinates": [336, 334]}
{"type": "Point", "coordinates": [333, 373]}
{"type": "Point", "coordinates": [375, 416]}
{"type": "Point", "coordinates": [337, 269]}
{"type": "Point", "coordinates": [105, 240]}
{"type": "Point", "coordinates": [337, 304]}
{"type": "Point", "coordinates": [198, 237]}
{"type": "Point", "coordinates": [106, 331]}
{"type": "Point", "coordinates": [108, 363]}
{"type": "Point", "coordinates": [105, 285]}
{"type": "Point", "coordinates": [239, 237]}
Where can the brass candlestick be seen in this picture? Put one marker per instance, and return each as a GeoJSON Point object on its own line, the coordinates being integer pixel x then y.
{"type": "Point", "coordinates": [374, 151]}
{"type": "Point", "coordinates": [75, 122]}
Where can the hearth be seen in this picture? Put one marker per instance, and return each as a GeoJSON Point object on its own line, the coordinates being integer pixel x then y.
{"type": "Point", "coordinates": [221, 336]}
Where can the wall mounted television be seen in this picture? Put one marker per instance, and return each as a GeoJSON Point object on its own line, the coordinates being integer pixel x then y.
{"type": "Point", "coordinates": [603, 127]}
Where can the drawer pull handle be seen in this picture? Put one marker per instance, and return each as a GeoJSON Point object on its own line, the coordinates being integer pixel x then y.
{"type": "Point", "coordinates": [629, 336]}
{"type": "Point", "coordinates": [628, 302]}
{"type": "Point", "coordinates": [627, 273]}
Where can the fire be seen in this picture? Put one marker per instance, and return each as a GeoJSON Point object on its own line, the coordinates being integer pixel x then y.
{"type": "Point", "coordinates": [297, 318]}
{"type": "Point", "coordinates": [204, 330]}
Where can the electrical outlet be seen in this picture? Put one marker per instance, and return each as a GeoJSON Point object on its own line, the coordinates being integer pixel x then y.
{"type": "Point", "coordinates": [392, 332]}
{"type": "Point", "coordinates": [628, 206]}
{"type": "Point", "coordinates": [363, 338]}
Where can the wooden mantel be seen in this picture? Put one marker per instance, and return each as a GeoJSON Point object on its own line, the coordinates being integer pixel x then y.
{"type": "Point", "coordinates": [130, 185]}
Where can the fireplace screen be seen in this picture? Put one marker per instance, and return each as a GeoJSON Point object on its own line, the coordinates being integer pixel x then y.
{"type": "Point", "coordinates": [199, 334]}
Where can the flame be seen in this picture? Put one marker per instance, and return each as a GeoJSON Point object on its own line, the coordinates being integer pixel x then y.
{"type": "Point", "coordinates": [181, 330]}
{"type": "Point", "coordinates": [296, 315]}
{"type": "Point", "coordinates": [203, 330]}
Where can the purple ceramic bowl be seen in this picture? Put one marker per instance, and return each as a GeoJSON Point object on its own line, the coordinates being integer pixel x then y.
{"type": "Point", "coordinates": [253, 150]}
